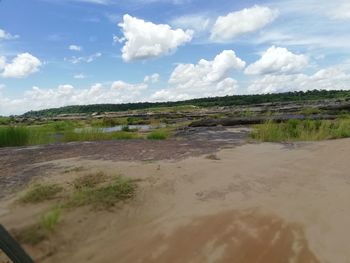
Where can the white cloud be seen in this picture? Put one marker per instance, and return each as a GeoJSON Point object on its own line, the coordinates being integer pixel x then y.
{"type": "Point", "coordinates": [277, 60]}
{"type": "Point", "coordinates": [7, 36]}
{"type": "Point", "coordinates": [340, 11]}
{"type": "Point", "coordinates": [21, 66]}
{"type": "Point", "coordinates": [148, 40]}
{"type": "Point", "coordinates": [2, 62]}
{"type": "Point", "coordinates": [88, 59]}
{"type": "Point", "coordinates": [154, 78]}
{"type": "Point", "coordinates": [38, 98]}
{"type": "Point", "coordinates": [79, 76]}
{"type": "Point", "coordinates": [325, 79]}
{"type": "Point", "coordinates": [245, 21]}
{"type": "Point", "coordinates": [198, 23]}
{"type": "Point", "coordinates": [75, 48]}
{"type": "Point", "coordinates": [205, 79]}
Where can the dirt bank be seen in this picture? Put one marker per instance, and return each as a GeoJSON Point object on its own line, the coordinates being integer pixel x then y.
{"type": "Point", "coordinates": [255, 203]}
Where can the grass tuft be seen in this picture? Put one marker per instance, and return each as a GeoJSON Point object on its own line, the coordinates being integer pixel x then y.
{"type": "Point", "coordinates": [104, 196]}
{"type": "Point", "coordinates": [49, 221]}
{"type": "Point", "coordinates": [36, 233]}
{"type": "Point", "coordinates": [39, 193]}
{"type": "Point", "coordinates": [89, 181]}
{"type": "Point", "coordinates": [158, 135]}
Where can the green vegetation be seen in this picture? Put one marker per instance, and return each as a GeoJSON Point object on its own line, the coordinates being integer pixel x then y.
{"type": "Point", "coordinates": [36, 233]}
{"type": "Point", "coordinates": [40, 192]}
{"type": "Point", "coordinates": [302, 130]}
{"type": "Point", "coordinates": [310, 111]}
{"type": "Point", "coordinates": [97, 135]}
{"type": "Point", "coordinates": [95, 189]}
{"type": "Point", "coordinates": [90, 192]}
{"type": "Point", "coordinates": [34, 134]}
{"type": "Point", "coordinates": [204, 102]}
{"type": "Point", "coordinates": [5, 120]}
{"type": "Point", "coordinates": [160, 134]}
{"type": "Point", "coordinates": [14, 136]}
{"type": "Point", "coordinates": [49, 221]}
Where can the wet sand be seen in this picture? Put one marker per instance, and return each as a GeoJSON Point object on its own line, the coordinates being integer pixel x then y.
{"type": "Point", "coordinates": [255, 203]}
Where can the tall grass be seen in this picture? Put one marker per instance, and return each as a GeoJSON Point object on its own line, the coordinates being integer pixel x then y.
{"type": "Point", "coordinates": [302, 130]}
{"type": "Point", "coordinates": [14, 136]}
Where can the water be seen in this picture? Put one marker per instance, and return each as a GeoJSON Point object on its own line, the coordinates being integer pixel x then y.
{"type": "Point", "coordinates": [140, 128]}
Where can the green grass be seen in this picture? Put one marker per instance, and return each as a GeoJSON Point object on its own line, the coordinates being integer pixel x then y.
{"type": "Point", "coordinates": [5, 120]}
{"type": "Point", "coordinates": [32, 135]}
{"type": "Point", "coordinates": [160, 134]}
{"type": "Point", "coordinates": [302, 130]}
{"type": "Point", "coordinates": [38, 232]}
{"type": "Point", "coordinates": [40, 192]}
{"type": "Point", "coordinates": [97, 135]}
{"type": "Point", "coordinates": [49, 221]}
{"type": "Point", "coordinates": [105, 195]}
{"type": "Point", "coordinates": [14, 136]}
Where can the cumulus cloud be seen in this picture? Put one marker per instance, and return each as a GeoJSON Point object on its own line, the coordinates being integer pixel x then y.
{"type": "Point", "coordinates": [198, 23]}
{"type": "Point", "coordinates": [39, 98]}
{"type": "Point", "coordinates": [325, 79]}
{"type": "Point", "coordinates": [88, 59]}
{"type": "Point", "coordinates": [204, 79]}
{"type": "Point", "coordinates": [146, 40]}
{"type": "Point", "coordinates": [245, 21]}
{"type": "Point", "coordinates": [75, 48]}
{"type": "Point", "coordinates": [154, 78]}
{"type": "Point", "coordinates": [7, 36]}
{"type": "Point", "coordinates": [277, 60]}
{"type": "Point", "coordinates": [21, 66]}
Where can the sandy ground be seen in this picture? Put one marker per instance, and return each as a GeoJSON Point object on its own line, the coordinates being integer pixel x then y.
{"type": "Point", "coordinates": [256, 203]}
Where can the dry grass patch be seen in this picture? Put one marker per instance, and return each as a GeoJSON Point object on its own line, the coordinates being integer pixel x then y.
{"type": "Point", "coordinates": [40, 192]}
{"type": "Point", "coordinates": [89, 181]}
{"type": "Point", "coordinates": [105, 195]}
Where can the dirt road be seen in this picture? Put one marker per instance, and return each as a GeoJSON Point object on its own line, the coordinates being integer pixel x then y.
{"type": "Point", "coordinates": [256, 203]}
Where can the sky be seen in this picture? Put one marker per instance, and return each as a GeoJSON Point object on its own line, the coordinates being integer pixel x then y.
{"type": "Point", "coordinates": [55, 53]}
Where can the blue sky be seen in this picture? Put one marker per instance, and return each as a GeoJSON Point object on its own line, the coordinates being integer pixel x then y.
{"type": "Point", "coordinates": [63, 52]}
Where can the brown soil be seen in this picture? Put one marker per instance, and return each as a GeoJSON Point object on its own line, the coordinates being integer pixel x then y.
{"type": "Point", "coordinates": [254, 203]}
